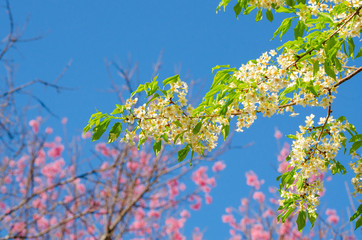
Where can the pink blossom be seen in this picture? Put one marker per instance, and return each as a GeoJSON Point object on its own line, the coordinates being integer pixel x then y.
{"type": "Point", "coordinates": [7, 179]}
{"type": "Point", "coordinates": [331, 212]}
{"type": "Point", "coordinates": [86, 135]}
{"type": "Point", "coordinates": [40, 159]}
{"type": "Point", "coordinates": [218, 166]}
{"type": "Point", "coordinates": [197, 205]}
{"type": "Point", "coordinates": [182, 186]}
{"type": "Point", "coordinates": [268, 213]}
{"type": "Point", "coordinates": [252, 180]}
{"type": "Point", "coordinates": [258, 233]}
{"type": "Point", "coordinates": [49, 130]}
{"type": "Point", "coordinates": [285, 228]}
{"type": "Point", "coordinates": [103, 149]}
{"type": "Point", "coordinates": [80, 187]}
{"type": "Point", "coordinates": [42, 223]}
{"type": "Point", "coordinates": [56, 151]}
{"type": "Point", "coordinates": [91, 229]}
{"type": "Point", "coordinates": [228, 218]}
{"type": "Point", "coordinates": [18, 227]}
{"type": "Point", "coordinates": [51, 170]}
{"type": "Point", "coordinates": [259, 196]}
{"type": "Point", "coordinates": [333, 218]}
{"type": "Point", "coordinates": [154, 213]}
{"type": "Point", "coordinates": [173, 225]}
{"type": "Point", "coordinates": [273, 201]}
{"type": "Point", "coordinates": [277, 134]}
{"type": "Point", "coordinates": [132, 166]}
{"type": "Point", "coordinates": [185, 214]}
{"type": "Point", "coordinates": [64, 120]}
{"type": "Point", "coordinates": [244, 201]}
{"type": "Point", "coordinates": [283, 167]}
{"type": "Point", "coordinates": [272, 189]}
{"type": "Point", "coordinates": [37, 203]}
{"type": "Point", "coordinates": [208, 199]}
{"type": "Point", "coordinates": [68, 199]}
{"type": "Point", "coordinates": [53, 221]}
{"type": "Point", "coordinates": [197, 235]}
{"type": "Point", "coordinates": [34, 124]}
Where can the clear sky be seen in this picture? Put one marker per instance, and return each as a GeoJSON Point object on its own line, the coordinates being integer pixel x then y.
{"type": "Point", "coordinates": [193, 37]}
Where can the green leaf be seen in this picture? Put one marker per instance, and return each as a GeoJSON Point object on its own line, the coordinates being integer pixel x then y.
{"type": "Point", "coordinates": [355, 146]}
{"type": "Point", "coordinates": [192, 156]}
{"type": "Point", "coordinates": [344, 141]}
{"type": "Point", "coordinates": [300, 182]}
{"type": "Point", "coordinates": [225, 131]}
{"type": "Point", "coordinates": [291, 136]}
{"type": "Point", "coordinates": [284, 27]}
{"type": "Point", "coordinates": [259, 15]}
{"type": "Point", "coordinates": [223, 3]}
{"type": "Point", "coordinates": [156, 95]}
{"type": "Point", "coordinates": [299, 30]}
{"type": "Point", "coordinates": [358, 223]}
{"type": "Point", "coordinates": [218, 67]}
{"type": "Point", "coordinates": [177, 123]}
{"type": "Point", "coordinates": [269, 15]}
{"type": "Point", "coordinates": [355, 215]}
{"type": "Point", "coordinates": [172, 79]}
{"type": "Point", "coordinates": [285, 10]}
{"type": "Point", "coordinates": [287, 214]}
{"type": "Point", "coordinates": [100, 129]}
{"type": "Point", "coordinates": [177, 136]}
{"type": "Point", "coordinates": [312, 217]}
{"type": "Point", "coordinates": [214, 90]}
{"type": "Point", "coordinates": [350, 47]}
{"type": "Point", "coordinates": [237, 8]}
{"type": "Point", "coordinates": [328, 69]}
{"type": "Point", "coordinates": [157, 147]}
{"type": "Point", "coordinates": [114, 132]}
{"type": "Point", "coordinates": [301, 220]}
{"type": "Point", "coordinates": [290, 3]}
{"type": "Point", "coordinates": [311, 88]}
{"type": "Point", "coordinates": [183, 153]}
{"type": "Point", "coordinates": [359, 54]}
{"type": "Point", "coordinates": [315, 67]}
{"type": "Point", "coordinates": [140, 88]}
{"type": "Point", "coordinates": [197, 128]}
{"type": "Point", "coordinates": [248, 10]}
{"type": "Point", "coordinates": [355, 138]}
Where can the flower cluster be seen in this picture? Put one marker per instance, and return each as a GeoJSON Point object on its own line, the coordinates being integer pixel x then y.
{"type": "Point", "coordinates": [313, 151]}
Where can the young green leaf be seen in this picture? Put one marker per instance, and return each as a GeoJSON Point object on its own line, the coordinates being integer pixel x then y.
{"type": "Point", "coordinates": [183, 153]}
{"type": "Point", "coordinates": [157, 147]}
{"type": "Point", "coordinates": [301, 220]}
{"type": "Point", "coordinates": [197, 128]}
{"type": "Point", "coordinates": [259, 15]}
{"type": "Point", "coordinates": [100, 129]}
{"type": "Point", "coordinates": [248, 10]}
{"type": "Point", "coordinates": [114, 132]}
{"type": "Point", "coordinates": [284, 27]}
{"type": "Point", "coordinates": [350, 47]}
{"type": "Point", "coordinates": [269, 15]}
{"type": "Point", "coordinates": [172, 79]}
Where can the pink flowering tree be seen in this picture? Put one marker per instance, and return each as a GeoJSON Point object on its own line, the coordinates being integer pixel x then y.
{"type": "Point", "coordinates": [116, 192]}
{"type": "Point", "coordinates": [257, 216]}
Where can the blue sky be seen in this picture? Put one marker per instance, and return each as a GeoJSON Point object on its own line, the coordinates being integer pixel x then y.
{"type": "Point", "coordinates": [193, 37]}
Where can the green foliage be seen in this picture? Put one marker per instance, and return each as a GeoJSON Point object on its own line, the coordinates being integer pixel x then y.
{"type": "Point", "coordinates": [306, 71]}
